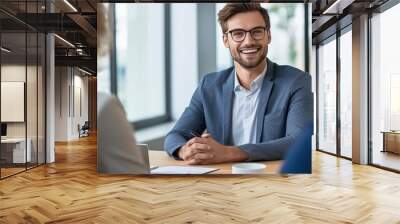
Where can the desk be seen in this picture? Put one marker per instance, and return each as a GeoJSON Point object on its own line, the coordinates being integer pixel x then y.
{"type": "Point", "coordinates": [15, 153]}
{"type": "Point", "coordinates": [160, 158]}
{"type": "Point", "coordinates": [391, 141]}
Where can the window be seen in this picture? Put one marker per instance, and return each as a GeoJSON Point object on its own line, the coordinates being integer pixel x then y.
{"type": "Point", "coordinates": [346, 94]}
{"type": "Point", "coordinates": [103, 74]}
{"type": "Point", "coordinates": [140, 58]}
{"type": "Point", "coordinates": [385, 88]}
{"type": "Point", "coordinates": [327, 96]}
{"type": "Point", "coordinates": [22, 78]}
{"type": "Point", "coordinates": [224, 59]}
{"type": "Point", "coordinates": [287, 31]}
{"type": "Point", "coordinates": [143, 53]}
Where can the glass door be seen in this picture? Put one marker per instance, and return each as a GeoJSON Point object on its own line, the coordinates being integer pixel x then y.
{"type": "Point", "coordinates": [14, 154]}
{"type": "Point", "coordinates": [385, 89]}
{"type": "Point", "coordinates": [346, 93]}
{"type": "Point", "coordinates": [327, 96]}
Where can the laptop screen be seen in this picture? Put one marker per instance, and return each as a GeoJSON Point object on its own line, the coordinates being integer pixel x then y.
{"type": "Point", "coordinates": [3, 129]}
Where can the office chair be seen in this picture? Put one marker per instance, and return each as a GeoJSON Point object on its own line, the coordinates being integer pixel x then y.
{"type": "Point", "coordinates": [298, 158]}
{"type": "Point", "coordinates": [84, 130]}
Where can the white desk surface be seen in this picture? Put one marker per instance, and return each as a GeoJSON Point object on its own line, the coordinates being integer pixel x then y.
{"type": "Point", "coordinates": [160, 158]}
{"type": "Point", "coordinates": [13, 140]}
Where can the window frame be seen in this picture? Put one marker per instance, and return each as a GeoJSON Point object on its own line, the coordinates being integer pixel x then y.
{"type": "Point", "coordinates": [339, 28]}
{"type": "Point", "coordinates": [44, 40]}
{"type": "Point", "coordinates": [381, 9]}
{"type": "Point", "coordinates": [334, 36]}
{"type": "Point", "coordinates": [343, 31]}
{"type": "Point", "coordinates": [166, 117]}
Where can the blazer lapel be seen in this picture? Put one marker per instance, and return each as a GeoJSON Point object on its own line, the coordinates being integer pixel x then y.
{"type": "Point", "coordinates": [265, 92]}
{"type": "Point", "coordinates": [227, 107]}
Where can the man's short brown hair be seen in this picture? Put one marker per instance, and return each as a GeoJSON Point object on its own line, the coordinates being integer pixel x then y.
{"type": "Point", "coordinates": [231, 9]}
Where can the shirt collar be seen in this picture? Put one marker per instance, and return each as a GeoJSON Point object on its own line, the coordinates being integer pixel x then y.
{"type": "Point", "coordinates": [255, 84]}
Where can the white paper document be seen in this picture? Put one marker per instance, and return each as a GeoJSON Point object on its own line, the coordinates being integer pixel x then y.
{"type": "Point", "coordinates": [181, 170]}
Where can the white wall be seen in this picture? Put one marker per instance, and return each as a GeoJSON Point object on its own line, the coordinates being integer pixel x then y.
{"type": "Point", "coordinates": [67, 115]}
{"type": "Point", "coordinates": [33, 125]}
{"type": "Point", "coordinates": [17, 73]}
{"type": "Point", "coordinates": [61, 103]}
{"type": "Point", "coordinates": [14, 73]}
{"type": "Point", "coordinates": [81, 82]}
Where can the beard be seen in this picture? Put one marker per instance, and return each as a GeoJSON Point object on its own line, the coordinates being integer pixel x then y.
{"type": "Point", "coordinates": [248, 64]}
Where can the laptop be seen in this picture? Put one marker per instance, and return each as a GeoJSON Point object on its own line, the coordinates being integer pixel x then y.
{"type": "Point", "coordinates": [3, 131]}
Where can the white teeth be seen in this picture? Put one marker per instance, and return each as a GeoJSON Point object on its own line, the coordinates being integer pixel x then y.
{"type": "Point", "coordinates": [249, 51]}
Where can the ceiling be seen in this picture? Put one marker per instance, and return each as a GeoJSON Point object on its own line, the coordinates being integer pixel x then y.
{"type": "Point", "coordinates": [330, 15]}
{"type": "Point", "coordinates": [74, 22]}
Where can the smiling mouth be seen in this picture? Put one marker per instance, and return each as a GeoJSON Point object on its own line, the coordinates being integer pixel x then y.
{"type": "Point", "coordinates": [249, 51]}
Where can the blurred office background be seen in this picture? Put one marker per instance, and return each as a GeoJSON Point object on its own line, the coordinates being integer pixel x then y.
{"type": "Point", "coordinates": [357, 81]}
{"type": "Point", "coordinates": [48, 78]}
{"type": "Point", "coordinates": [152, 57]}
{"type": "Point", "coordinates": [160, 52]}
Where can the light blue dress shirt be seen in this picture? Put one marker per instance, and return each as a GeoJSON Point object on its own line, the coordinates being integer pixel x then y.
{"type": "Point", "coordinates": [245, 102]}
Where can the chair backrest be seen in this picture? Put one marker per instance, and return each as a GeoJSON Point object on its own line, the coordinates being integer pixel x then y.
{"type": "Point", "coordinates": [298, 158]}
{"type": "Point", "coordinates": [86, 125]}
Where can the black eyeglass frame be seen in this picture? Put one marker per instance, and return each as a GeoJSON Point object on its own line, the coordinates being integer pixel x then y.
{"type": "Point", "coordinates": [247, 31]}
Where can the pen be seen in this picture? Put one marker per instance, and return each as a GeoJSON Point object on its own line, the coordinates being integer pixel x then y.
{"type": "Point", "coordinates": [197, 135]}
{"type": "Point", "coordinates": [193, 133]}
{"type": "Point", "coordinates": [154, 167]}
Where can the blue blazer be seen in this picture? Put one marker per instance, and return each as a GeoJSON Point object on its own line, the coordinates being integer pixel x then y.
{"type": "Point", "coordinates": [285, 110]}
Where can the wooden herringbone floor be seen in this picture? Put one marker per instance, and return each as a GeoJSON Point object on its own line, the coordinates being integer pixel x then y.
{"type": "Point", "coordinates": [70, 191]}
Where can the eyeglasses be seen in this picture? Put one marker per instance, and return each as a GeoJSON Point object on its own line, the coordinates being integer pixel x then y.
{"type": "Point", "coordinates": [238, 35]}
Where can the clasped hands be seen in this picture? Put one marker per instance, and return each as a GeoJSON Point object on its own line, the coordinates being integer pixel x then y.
{"type": "Point", "coordinates": [205, 150]}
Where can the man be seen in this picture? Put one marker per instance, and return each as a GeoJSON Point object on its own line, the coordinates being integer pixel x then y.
{"type": "Point", "coordinates": [251, 111]}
